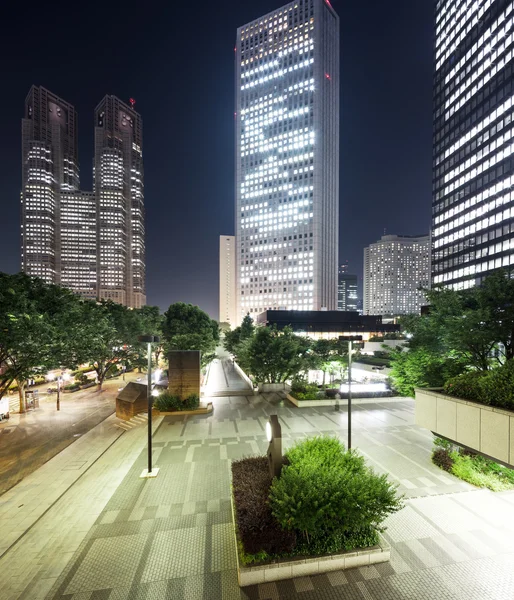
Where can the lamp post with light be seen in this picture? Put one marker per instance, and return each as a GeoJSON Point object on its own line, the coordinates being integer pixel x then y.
{"type": "Point", "coordinates": [149, 339]}
{"type": "Point", "coordinates": [350, 339]}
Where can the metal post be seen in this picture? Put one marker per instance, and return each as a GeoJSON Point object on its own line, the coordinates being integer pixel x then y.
{"type": "Point", "coordinates": [149, 397]}
{"type": "Point", "coordinates": [350, 345]}
{"type": "Point", "coordinates": [58, 393]}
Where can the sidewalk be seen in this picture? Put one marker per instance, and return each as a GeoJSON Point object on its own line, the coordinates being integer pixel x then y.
{"type": "Point", "coordinates": [46, 517]}
{"type": "Point", "coordinates": [29, 440]}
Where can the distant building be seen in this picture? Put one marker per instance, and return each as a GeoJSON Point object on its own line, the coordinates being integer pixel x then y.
{"type": "Point", "coordinates": [90, 242]}
{"type": "Point", "coordinates": [395, 268]}
{"type": "Point", "coordinates": [326, 324]}
{"type": "Point", "coordinates": [473, 150]}
{"type": "Point", "coordinates": [347, 292]}
{"type": "Point", "coordinates": [119, 188]}
{"type": "Point", "coordinates": [287, 159]}
{"type": "Point", "coordinates": [227, 261]}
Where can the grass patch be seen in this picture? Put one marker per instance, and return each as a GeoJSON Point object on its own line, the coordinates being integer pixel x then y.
{"type": "Point", "coordinates": [473, 468]}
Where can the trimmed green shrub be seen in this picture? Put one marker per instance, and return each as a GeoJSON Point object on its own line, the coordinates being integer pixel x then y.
{"type": "Point", "coordinates": [259, 531]}
{"type": "Point", "coordinates": [493, 388]}
{"type": "Point", "coordinates": [167, 402]}
{"type": "Point", "coordinates": [329, 494]}
{"type": "Point", "coordinates": [72, 387]}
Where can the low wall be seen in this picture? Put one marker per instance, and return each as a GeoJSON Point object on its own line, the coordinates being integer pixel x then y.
{"type": "Point", "coordinates": [274, 387]}
{"type": "Point", "coordinates": [243, 375]}
{"type": "Point", "coordinates": [342, 401]}
{"type": "Point", "coordinates": [486, 429]}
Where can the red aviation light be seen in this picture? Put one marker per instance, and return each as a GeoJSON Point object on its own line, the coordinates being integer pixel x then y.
{"type": "Point", "coordinates": [328, 2]}
{"type": "Point", "coordinates": [132, 102]}
{"type": "Point", "coordinates": [328, 77]}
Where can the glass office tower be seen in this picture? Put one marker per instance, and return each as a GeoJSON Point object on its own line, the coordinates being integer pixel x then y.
{"type": "Point", "coordinates": [473, 178]}
{"type": "Point", "coordinates": [287, 159]}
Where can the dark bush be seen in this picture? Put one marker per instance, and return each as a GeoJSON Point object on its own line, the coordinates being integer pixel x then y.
{"type": "Point", "coordinates": [442, 459]}
{"type": "Point", "coordinates": [167, 402]}
{"type": "Point", "coordinates": [258, 529]}
{"type": "Point", "coordinates": [72, 387]}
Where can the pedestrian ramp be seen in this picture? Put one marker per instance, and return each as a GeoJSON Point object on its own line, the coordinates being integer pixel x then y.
{"type": "Point", "coordinates": [136, 421]}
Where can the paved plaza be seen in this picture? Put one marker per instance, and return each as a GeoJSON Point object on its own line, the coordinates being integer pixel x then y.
{"type": "Point", "coordinates": [171, 537]}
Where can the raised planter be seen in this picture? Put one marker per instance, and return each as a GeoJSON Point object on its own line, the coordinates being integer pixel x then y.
{"type": "Point", "coordinates": [274, 387]}
{"type": "Point", "coordinates": [201, 410]}
{"type": "Point", "coordinates": [343, 401]}
{"type": "Point", "coordinates": [485, 429]}
{"type": "Point", "coordinates": [299, 567]}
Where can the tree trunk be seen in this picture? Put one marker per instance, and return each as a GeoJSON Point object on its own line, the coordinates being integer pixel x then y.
{"type": "Point", "coordinates": [323, 384]}
{"type": "Point", "coordinates": [21, 393]}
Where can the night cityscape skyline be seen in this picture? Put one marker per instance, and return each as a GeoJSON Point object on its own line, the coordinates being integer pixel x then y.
{"type": "Point", "coordinates": [385, 161]}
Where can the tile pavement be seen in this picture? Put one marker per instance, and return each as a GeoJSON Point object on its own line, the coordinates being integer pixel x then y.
{"type": "Point", "coordinates": [171, 537]}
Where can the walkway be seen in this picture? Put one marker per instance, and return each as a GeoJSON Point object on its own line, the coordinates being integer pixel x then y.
{"type": "Point", "coordinates": [224, 380]}
{"type": "Point", "coordinates": [114, 536]}
{"type": "Point", "coordinates": [172, 537]}
{"type": "Point", "coordinates": [29, 440]}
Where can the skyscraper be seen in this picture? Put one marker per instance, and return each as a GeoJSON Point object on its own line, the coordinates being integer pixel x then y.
{"type": "Point", "coordinates": [228, 280]}
{"type": "Point", "coordinates": [347, 293]}
{"type": "Point", "coordinates": [119, 193]}
{"type": "Point", "coordinates": [287, 159]}
{"type": "Point", "coordinates": [395, 268]}
{"type": "Point", "coordinates": [90, 242]}
{"type": "Point", "coordinates": [49, 169]}
{"type": "Point", "coordinates": [473, 200]}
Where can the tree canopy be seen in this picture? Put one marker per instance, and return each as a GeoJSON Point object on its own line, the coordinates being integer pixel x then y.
{"type": "Point", "coordinates": [188, 327]}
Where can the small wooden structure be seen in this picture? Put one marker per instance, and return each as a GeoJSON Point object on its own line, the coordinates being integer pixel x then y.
{"type": "Point", "coordinates": [131, 401]}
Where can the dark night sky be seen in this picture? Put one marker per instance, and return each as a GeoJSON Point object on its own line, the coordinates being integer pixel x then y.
{"type": "Point", "coordinates": [176, 59]}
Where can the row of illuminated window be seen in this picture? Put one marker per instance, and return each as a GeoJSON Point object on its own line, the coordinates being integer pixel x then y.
{"type": "Point", "coordinates": [282, 144]}
{"type": "Point", "coordinates": [271, 181]}
{"type": "Point", "coordinates": [490, 53]}
{"type": "Point", "coordinates": [480, 155]}
{"type": "Point", "coordinates": [470, 270]}
{"type": "Point", "coordinates": [272, 42]}
{"type": "Point", "coordinates": [487, 164]}
{"type": "Point", "coordinates": [494, 68]}
{"type": "Point", "coordinates": [495, 114]}
{"type": "Point", "coordinates": [449, 38]}
{"type": "Point", "coordinates": [271, 162]}
{"type": "Point", "coordinates": [475, 227]}
{"type": "Point", "coordinates": [281, 212]}
{"type": "Point", "coordinates": [487, 40]}
{"type": "Point", "coordinates": [303, 45]}
{"type": "Point", "coordinates": [278, 74]}
{"type": "Point", "coordinates": [269, 118]}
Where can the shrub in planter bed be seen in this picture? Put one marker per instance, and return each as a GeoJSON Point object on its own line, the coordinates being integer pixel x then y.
{"type": "Point", "coordinates": [494, 388]}
{"type": "Point", "coordinates": [167, 402]}
{"type": "Point", "coordinates": [72, 387]}
{"type": "Point", "coordinates": [330, 496]}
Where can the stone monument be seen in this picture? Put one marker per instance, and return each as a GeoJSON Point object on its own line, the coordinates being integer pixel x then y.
{"type": "Point", "coordinates": [184, 373]}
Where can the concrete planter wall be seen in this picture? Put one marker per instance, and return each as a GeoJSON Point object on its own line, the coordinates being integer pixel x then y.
{"type": "Point", "coordinates": [342, 401]}
{"type": "Point", "coordinates": [243, 375]}
{"type": "Point", "coordinates": [486, 429]}
{"type": "Point", "coordinates": [274, 387]}
{"type": "Point", "coordinates": [289, 568]}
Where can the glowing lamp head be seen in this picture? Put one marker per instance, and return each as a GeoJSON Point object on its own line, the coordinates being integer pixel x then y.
{"type": "Point", "coordinates": [269, 432]}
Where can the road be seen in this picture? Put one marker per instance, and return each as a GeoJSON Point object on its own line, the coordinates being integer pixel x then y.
{"type": "Point", "coordinates": [29, 440]}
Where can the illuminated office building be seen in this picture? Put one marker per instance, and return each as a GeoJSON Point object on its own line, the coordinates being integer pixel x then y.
{"type": "Point", "coordinates": [119, 188]}
{"type": "Point", "coordinates": [49, 168]}
{"type": "Point", "coordinates": [78, 243]}
{"type": "Point", "coordinates": [347, 292]}
{"type": "Point", "coordinates": [395, 268]}
{"type": "Point", "coordinates": [473, 192]}
{"type": "Point", "coordinates": [228, 280]}
{"type": "Point", "coordinates": [90, 242]}
{"type": "Point", "coordinates": [287, 159]}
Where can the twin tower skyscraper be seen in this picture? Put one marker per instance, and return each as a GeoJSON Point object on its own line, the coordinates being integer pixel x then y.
{"type": "Point", "coordinates": [90, 242]}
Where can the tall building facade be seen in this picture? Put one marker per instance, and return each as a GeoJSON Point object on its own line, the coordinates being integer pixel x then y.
{"type": "Point", "coordinates": [395, 268]}
{"type": "Point", "coordinates": [347, 292]}
{"type": "Point", "coordinates": [90, 242]}
{"type": "Point", "coordinates": [287, 159]}
{"type": "Point", "coordinates": [119, 189]}
{"type": "Point", "coordinates": [228, 280]}
{"type": "Point", "coordinates": [473, 176]}
{"type": "Point", "coordinates": [49, 169]}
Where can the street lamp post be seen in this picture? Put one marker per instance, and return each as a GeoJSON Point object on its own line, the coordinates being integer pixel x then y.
{"type": "Point", "coordinates": [59, 393]}
{"type": "Point", "coordinates": [149, 339]}
{"type": "Point", "coordinates": [350, 339]}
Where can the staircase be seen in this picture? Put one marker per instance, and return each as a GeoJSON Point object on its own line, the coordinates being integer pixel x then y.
{"type": "Point", "coordinates": [136, 421]}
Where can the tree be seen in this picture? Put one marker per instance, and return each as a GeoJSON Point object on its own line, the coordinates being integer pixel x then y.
{"type": "Point", "coordinates": [150, 323]}
{"type": "Point", "coordinates": [273, 356]}
{"type": "Point", "coordinates": [187, 327]}
{"type": "Point", "coordinates": [109, 336]}
{"type": "Point", "coordinates": [38, 329]}
{"type": "Point", "coordinates": [323, 351]}
{"type": "Point", "coordinates": [232, 339]}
